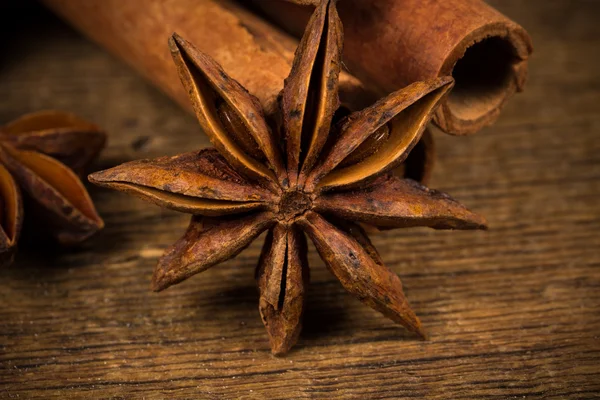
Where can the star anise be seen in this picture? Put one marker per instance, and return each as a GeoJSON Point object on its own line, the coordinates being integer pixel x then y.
{"type": "Point", "coordinates": [319, 178]}
{"type": "Point", "coordinates": [39, 153]}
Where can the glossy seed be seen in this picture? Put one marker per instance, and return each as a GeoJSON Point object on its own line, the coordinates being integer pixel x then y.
{"type": "Point", "coordinates": [369, 147]}
{"type": "Point", "coordinates": [236, 129]}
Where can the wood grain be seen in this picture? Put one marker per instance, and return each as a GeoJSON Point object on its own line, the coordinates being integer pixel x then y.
{"type": "Point", "coordinates": [512, 313]}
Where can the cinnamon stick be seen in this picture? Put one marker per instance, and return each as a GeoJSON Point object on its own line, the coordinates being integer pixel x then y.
{"type": "Point", "coordinates": [392, 43]}
{"type": "Point", "coordinates": [252, 51]}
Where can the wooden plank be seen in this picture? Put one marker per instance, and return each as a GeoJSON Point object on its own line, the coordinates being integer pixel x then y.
{"type": "Point", "coordinates": [513, 312]}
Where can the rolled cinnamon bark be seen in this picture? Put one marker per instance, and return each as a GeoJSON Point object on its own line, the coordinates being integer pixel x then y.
{"type": "Point", "coordinates": [137, 32]}
{"type": "Point", "coordinates": [251, 50]}
{"type": "Point", "coordinates": [392, 43]}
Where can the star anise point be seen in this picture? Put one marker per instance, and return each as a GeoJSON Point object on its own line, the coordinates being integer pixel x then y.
{"type": "Point", "coordinates": [41, 154]}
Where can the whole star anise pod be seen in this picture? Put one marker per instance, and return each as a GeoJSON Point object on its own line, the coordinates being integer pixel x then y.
{"type": "Point", "coordinates": [40, 154]}
{"type": "Point", "coordinates": [316, 177]}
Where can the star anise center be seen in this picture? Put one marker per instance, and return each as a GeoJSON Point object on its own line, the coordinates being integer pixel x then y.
{"type": "Point", "coordinates": [292, 204]}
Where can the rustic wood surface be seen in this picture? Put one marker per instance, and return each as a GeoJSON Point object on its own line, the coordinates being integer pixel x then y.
{"type": "Point", "coordinates": [512, 313]}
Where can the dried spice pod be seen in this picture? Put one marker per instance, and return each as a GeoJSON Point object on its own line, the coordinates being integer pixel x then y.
{"type": "Point", "coordinates": [359, 272]}
{"type": "Point", "coordinates": [234, 197]}
{"type": "Point", "coordinates": [60, 202]}
{"type": "Point", "coordinates": [208, 242]}
{"type": "Point", "coordinates": [217, 188]}
{"type": "Point", "coordinates": [407, 111]}
{"type": "Point", "coordinates": [309, 99]}
{"type": "Point", "coordinates": [282, 276]}
{"type": "Point", "coordinates": [11, 215]}
{"type": "Point", "coordinates": [60, 135]}
{"type": "Point", "coordinates": [414, 40]}
{"type": "Point", "coordinates": [208, 85]}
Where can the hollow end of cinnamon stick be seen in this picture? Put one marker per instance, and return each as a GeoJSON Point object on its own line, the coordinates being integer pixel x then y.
{"type": "Point", "coordinates": [489, 67]}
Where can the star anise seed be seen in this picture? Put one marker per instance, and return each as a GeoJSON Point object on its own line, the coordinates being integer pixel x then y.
{"type": "Point", "coordinates": [328, 175]}
{"type": "Point", "coordinates": [39, 153]}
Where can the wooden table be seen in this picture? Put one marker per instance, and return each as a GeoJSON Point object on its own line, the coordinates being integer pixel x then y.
{"type": "Point", "coordinates": [512, 313]}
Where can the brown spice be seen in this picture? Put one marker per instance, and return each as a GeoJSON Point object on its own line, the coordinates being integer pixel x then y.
{"type": "Point", "coordinates": [295, 187]}
{"type": "Point", "coordinates": [254, 52]}
{"type": "Point", "coordinates": [40, 154]}
{"type": "Point", "coordinates": [392, 43]}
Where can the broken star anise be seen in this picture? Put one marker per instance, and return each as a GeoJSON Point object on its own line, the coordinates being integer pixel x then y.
{"type": "Point", "coordinates": [40, 154]}
{"type": "Point", "coordinates": [319, 178]}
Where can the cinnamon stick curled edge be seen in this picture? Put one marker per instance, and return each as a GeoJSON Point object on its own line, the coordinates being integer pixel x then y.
{"type": "Point", "coordinates": [392, 43]}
